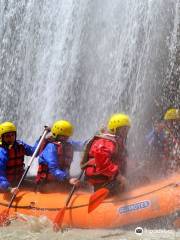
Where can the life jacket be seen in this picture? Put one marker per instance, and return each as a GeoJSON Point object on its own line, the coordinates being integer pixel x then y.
{"type": "Point", "coordinates": [171, 151]}
{"type": "Point", "coordinates": [88, 162]}
{"type": "Point", "coordinates": [65, 157]}
{"type": "Point", "coordinates": [15, 163]}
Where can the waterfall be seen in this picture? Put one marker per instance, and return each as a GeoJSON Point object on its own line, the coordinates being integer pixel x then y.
{"type": "Point", "coordinates": [83, 60]}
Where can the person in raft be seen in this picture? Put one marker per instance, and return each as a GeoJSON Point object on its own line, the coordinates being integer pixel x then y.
{"type": "Point", "coordinates": [105, 156]}
{"type": "Point", "coordinates": [165, 137]}
{"type": "Point", "coordinates": [56, 154]}
{"type": "Point", "coordinates": [12, 152]}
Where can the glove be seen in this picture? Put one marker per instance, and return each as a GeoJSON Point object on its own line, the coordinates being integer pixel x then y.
{"type": "Point", "coordinates": [74, 181]}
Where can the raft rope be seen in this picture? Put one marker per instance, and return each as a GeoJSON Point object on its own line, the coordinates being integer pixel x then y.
{"type": "Point", "coordinates": [41, 209]}
{"type": "Point", "coordinates": [85, 205]}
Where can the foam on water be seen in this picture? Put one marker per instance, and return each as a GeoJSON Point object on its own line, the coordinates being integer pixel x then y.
{"type": "Point", "coordinates": [41, 229]}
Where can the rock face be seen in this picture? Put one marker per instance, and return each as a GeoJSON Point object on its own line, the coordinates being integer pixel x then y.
{"type": "Point", "coordinates": [172, 85]}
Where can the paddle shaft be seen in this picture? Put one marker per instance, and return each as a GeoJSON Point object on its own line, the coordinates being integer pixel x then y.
{"type": "Point", "coordinates": [72, 190]}
{"type": "Point", "coordinates": [27, 169]}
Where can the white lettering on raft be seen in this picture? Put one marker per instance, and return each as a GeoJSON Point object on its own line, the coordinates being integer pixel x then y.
{"type": "Point", "coordinates": [134, 207]}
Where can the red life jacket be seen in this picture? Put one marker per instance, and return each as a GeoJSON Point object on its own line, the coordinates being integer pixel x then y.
{"type": "Point", "coordinates": [15, 163]}
{"type": "Point", "coordinates": [96, 170]}
{"type": "Point", "coordinates": [171, 151]}
{"type": "Point", "coordinates": [65, 157]}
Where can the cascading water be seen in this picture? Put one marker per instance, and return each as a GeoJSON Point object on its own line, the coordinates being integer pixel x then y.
{"type": "Point", "coordinates": [83, 60]}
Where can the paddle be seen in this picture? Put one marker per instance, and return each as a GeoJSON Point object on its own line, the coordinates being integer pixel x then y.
{"type": "Point", "coordinates": [94, 201]}
{"type": "Point", "coordinates": [4, 215]}
{"type": "Point", "coordinates": [60, 215]}
{"type": "Point", "coordinates": [97, 198]}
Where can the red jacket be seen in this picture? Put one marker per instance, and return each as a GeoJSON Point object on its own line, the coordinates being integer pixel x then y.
{"type": "Point", "coordinates": [171, 151]}
{"type": "Point", "coordinates": [106, 158]}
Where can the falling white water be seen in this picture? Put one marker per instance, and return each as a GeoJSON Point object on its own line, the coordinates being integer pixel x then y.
{"type": "Point", "coordinates": [83, 60]}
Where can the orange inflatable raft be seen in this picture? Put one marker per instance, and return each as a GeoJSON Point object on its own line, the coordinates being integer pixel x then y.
{"type": "Point", "coordinates": [156, 200]}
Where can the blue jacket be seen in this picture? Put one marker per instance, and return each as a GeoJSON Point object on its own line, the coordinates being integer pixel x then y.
{"type": "Point", "coordinates": [156, 139]}
{"type": "Point", "coordinates": [49, 157]}
{"type": "Point", "coordinates": [4, 183]}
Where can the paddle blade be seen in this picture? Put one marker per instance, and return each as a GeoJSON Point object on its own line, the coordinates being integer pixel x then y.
{"type": "Point", "coordinates": [59, 219]}
{"type": "Point", "coordinates": [97, 198]}
{"type": "Point", "coordinates": [4, 218]}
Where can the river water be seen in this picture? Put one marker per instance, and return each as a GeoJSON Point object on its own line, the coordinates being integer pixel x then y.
{"type": "Point", "coordinates": [41, 229]}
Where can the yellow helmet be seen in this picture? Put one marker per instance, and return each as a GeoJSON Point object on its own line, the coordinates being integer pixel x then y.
{"type": "Point", "coordinates": [0, 137]}
{"type": "Point", "coordinates": [118, 120]}
{"type": "Point", "coordinates": [172, 114]}
{"type": "Point", "coordinates": [7, 127]}
{"type": "Point", "coordinates": [62, 128]}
